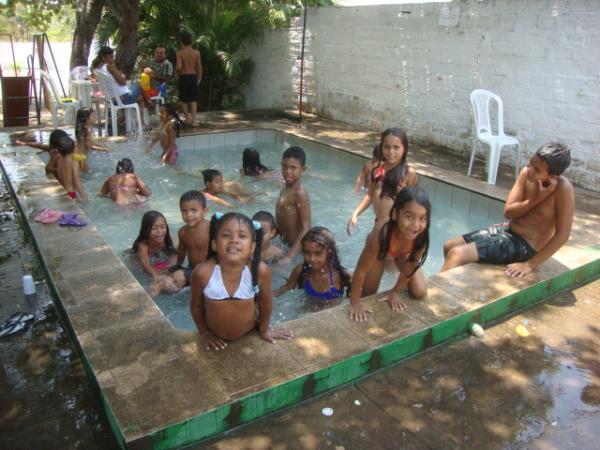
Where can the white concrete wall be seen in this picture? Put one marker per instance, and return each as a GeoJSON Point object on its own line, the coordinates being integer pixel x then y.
{"type": "Point", "coordinates": [391, 65]}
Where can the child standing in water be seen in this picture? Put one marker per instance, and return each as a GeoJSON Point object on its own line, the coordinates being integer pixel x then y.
{"type": "Point", "coordinates": [321, 275]}
{"type": "Point", "coordinates": [193, 236]}
{"type": "Point", "coordinates": [85, 137]}
{"type": "Point", "coordinates": [170, 123]}
{"type": "Point", "coordinates": [293, 206]}
{"type": "Point", "coordinates": [402, 240]}
{"type": "Point", "coordinates": [251, 164]}
{"type": "Point", "coordinates": [154, 248]}
{"type": "Point", "coordinates": [229, 287]}
{"type": "Point", "coordinates": [389, 175]}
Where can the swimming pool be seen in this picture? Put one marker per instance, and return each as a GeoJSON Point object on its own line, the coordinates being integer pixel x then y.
{"type": "Point", "coordinates": [329, 181]}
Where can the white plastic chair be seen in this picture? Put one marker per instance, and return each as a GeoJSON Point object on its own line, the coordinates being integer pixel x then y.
{"type": "Point", "coordinates": [69, 106]}
{"type": "Point", "coordinates": [480, 100]}
{"type": "Point", "coordinates": [111, 95]}
{"type": "Point", "coordinates": [157, 100]}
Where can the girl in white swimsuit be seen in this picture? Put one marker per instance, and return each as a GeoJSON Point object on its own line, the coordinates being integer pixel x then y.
{"type": "Point", "coordinates": [231, 291]}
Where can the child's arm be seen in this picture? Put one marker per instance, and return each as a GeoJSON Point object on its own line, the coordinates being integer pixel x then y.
{"type": "Point", "coordinates": [77, 180]}
{"type": "Point", "coordinates": [144, 258]}
{"type": "Point", "coordinates": [198, 280]}
{"type": "Point", "coordinates": [91, 142]}
{"type": "Point", "coordinates": [564, 209]}
{"type": "Point", "coordinates": [181, 247]}
{"type": "Point", "coordinates": [404, 278]}
{"type": "Point", "coordinates": [264, 299]}
{"type": "Point", "coordinates": [153, 142]}
{"type": "Point", "coordinates": [178, 63]}
{"type": "Point", "coordinates": [303, 206]}
{"type": "Point", "coordinates": [517, 205]}
{"type": "Point", "coordinates": [52, 166]}
{"type": "Point", "coordinates": [219, 200]}
{"type": "Point", "coordinates": [366, 260]}
{"type": "Point", "coordinates": [364, 204]}
{"type": "Point", "coordinates": [142, 188]}
{"type": "Point", "coordinates": [291, 282]}
{"type": "Point", "coordinates": [199, 67]}
{"type": "Point", "coordinates": [361, 178]}
{"type": "Point", "coordinates": [105, 189]}
{"type": "Point", "coordinates": [43, 147]}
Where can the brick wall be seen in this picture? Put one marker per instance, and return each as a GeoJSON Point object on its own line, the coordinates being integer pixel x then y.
{"type": "Point", "coordinates": [415, 65]}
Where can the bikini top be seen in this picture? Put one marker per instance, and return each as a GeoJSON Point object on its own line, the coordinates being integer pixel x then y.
{"type": "Point", "coordinates": [330, 294]}
{"type": "Point", "coordinates": [159, 259]}
{"type": "Point", "coordinates": [396, 242]}
{"type": "Point", "coordinates": [215, 288]}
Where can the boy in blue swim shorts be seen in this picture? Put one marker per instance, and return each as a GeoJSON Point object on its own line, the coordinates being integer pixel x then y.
{"type": "Point", "coordinates": [540, 209]}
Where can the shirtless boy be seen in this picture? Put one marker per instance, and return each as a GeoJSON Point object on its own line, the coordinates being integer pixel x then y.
{"type": "Point", "coordinates": [189, 72]}
{"type": "Point", "coordinates": [67, 169]}
{"type": "Point", "coordinates": [215, 186]}
{"type": "Point", "coordinates": [540, 208]}
{"type": "Point", "coordinates": [193, 236]}
{"type": "Point", "coordinates": [51, 148]}
{"type": "Point", "coordinates": [293, 206]}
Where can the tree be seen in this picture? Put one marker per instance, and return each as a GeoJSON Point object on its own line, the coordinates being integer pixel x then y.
{"type": "Point", "coordinates": [88, 16]}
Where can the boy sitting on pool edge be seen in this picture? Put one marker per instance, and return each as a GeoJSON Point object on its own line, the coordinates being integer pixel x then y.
{"type": "Point", "coordinates": [540, 209]}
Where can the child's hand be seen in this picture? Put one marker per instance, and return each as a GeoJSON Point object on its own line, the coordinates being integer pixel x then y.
{"type": "Point", "coordinates": [549, 188]}
{"type": "Point", "coordinates": [352, 225]}
{"type": "Point", "coordinates": [394, 300]}
{"type": "Point", "coordinates": [212, 342]}
{"type": "Point", "coordinates": [277, 333]}
{"type": "Point", "coordinates": [148, 71]}
{"type": "Point", "coordinates": [518, 269]}
{"type": "Point", "coordinates": [358, 312]}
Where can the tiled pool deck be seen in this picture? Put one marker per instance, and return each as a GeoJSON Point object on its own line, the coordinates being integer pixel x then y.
{"type": "Point", "coordinates": [160, 389]}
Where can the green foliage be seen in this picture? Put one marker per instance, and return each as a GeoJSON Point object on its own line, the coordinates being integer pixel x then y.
{"type": "Point", "coordinates": [23, 18]}
{"type": "Point", "coordinates": [220, 27]}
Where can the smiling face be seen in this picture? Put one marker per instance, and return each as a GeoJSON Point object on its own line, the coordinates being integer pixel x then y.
{"type": "Point", "coordinates": [538, 170]}
{"type": "Point", "coordinates": [192, 212]}
{"type": "Point", "coordinates": [234, 241]}
{"type": "Point", "coordinates": [411, 220]}
{"type": "Point", "coordinates": [392, 150]}
{"type": "Point", "coordinates": [315, 255]}
{"type": "Point", "coordinates": [291, 170]}
{"type": "Point", "coordinates": [158, 231]}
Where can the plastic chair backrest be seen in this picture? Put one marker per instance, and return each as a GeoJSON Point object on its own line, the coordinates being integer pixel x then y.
{"type": "Point", "coordinates": [108, 86]}
{"type": "Point", "coordinates": [80, 73]}
{"type": "Point", "coordinates": [49, 82]}
{"type": "Point", "coordinates": [480, 100]}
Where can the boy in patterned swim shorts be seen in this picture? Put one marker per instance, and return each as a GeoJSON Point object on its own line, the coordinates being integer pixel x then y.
{"type": "Point", "coordinates": [540, 208]}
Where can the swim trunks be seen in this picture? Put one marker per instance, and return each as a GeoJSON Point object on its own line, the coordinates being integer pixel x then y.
{"type": "Point", "coordinates": [73, 195]}
{"type": "Point", "coordinates": [502, 247]}
{"type": "Point", "coordinates": [188, 88]}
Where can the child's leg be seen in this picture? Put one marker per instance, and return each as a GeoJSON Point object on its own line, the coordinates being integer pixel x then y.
{"type": "Point", "coordinates": [373, 278]}
{"type": "Point", "coordinates": [193, 109]}
{"type": "Point", "coordinates": [184, 111]}
{"type": "Point", "coordinates": [417, 286]}
{"type": "Point", "coordinates": [460, 255]}
{"type": "Point", "coordinates": [451, 243]}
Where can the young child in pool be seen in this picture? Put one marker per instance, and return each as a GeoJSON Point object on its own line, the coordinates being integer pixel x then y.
{"type": "Point", "coordinates": [363, 180]}
{"type": "Point", "coordinates": [193, 236]}
{"type": "Point", "coordinates": [51, 148]}
{"type": "Point", "coordinates": [215, 186]}
{"type": "Point", "coordinates": [293, 206]}
{"type": "Point", "coordinates": [251, 165]}
{"type": "Point", "coordinates": [540, 209]}
{"type": "Point", "coordinates": [270, 252]}
{"type": "Point", "coordinates": [84, 136]}
{"type": "Point", "coordinates": [170, 123]}
{"type": "Point", "coordinates": [403, 241]}
{"type": "Point", "coordinates": [228, 288]}
{"type": "Point", "coordinates": [67, 170]}
{"type": "Point", "coordinates": [321, 275]}
{"type": "Point", "coordinates": [124, 186]}
{"type": "Point", "coordinates": [390, 174]}
{"type": "Point", "coordinates": [155, 251]}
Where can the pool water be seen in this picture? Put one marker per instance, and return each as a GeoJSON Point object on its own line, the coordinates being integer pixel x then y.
{"type": "Point", "coordinates": [329, 181]}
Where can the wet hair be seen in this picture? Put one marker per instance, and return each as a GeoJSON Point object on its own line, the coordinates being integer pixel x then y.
{"type": "Point", "coordinates": [407, 195]}
{"type": "Point", "coordinates": [191, 196]}
{"type": "Point", "coordinates": [102, 52]}
{"type": "Point", "coordinates": [257, 237]}
{"type": "Point", "coordinates": [324, 238]}
{"type": "Point", "coordinates": [251, 164]}
{"type": "Point", "coordinates": [125, 165]}
{"type": "Point", "coordinates": [148, 220]}
{"type": "Point", "coordinates": [393, 177]}
{"type": "Point", "coordinates": [265, 216]}
{"type": "Point", "coordinates": [377, 151]}
{"type": "Point", "coordinates": [296, 153]}
{"type": "Point", "coordinates": [171, 111]}
{"type": "Point", "coordinates": [557, 156]}
{"type": "Point", "coordinates": [210, 174]}
{"type": "Point", "coordinates": [53, 140]}
{"type": "Point", "coordinates": [65, 145]}
{"type": "Point", "coordinates": [185, 37]}
{"type": "Point", "coordinates": [81, 131]}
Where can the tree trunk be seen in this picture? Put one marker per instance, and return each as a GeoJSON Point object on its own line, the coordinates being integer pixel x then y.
{"type": "Point", "coordinates": [127, 13]}
{"type": "Point", "coordinates": [88, 15]}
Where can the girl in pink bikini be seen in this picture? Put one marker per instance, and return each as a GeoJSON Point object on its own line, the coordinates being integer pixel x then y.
{"type": "Point", "coordinates": [401, 242]}
{"type": "Point", "coordinates": [170, 123]}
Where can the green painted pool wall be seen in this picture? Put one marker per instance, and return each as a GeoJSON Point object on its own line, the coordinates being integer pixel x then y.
{"type": "Point", "coordinates": [343, 372]}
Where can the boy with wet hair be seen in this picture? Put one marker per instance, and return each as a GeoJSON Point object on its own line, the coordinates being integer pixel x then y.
{"type": "Point", "coordinates": [67, 169]}
{"type": "Point", "coordinates": [540, 209]}
{"type": "Point", "coordinates": [193, 236]}
{"type": "Point", "coordinates": [292, 210]}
